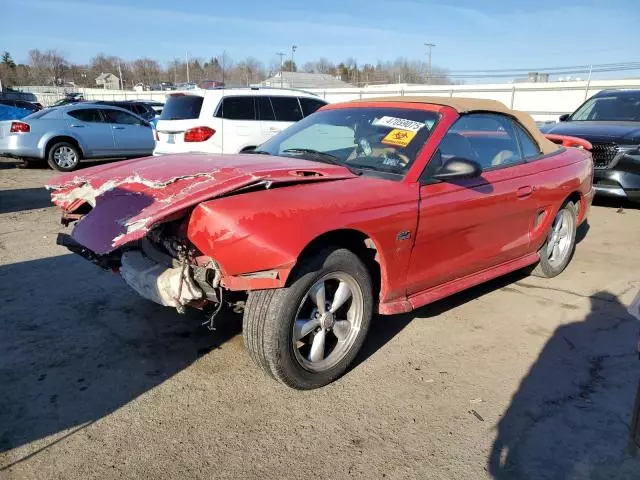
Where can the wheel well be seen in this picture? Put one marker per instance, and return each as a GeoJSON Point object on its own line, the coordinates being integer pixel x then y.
{"type": "Point", "coordinates": [354, 240]}
{"type": "Point", "coordinates": [61, 138]}
{"type": "Point", "coordinates": [575, 199]}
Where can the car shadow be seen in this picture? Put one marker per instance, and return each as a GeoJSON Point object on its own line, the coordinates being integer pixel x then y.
{"type": "Point", "coordinates": [21, 199]}
{"type": "Point", "coordinates": [384, 328]}
{"type": "Point", "coordinates": [78, 344]}
{"type": "Point", "coordinates": [614, 202]}
{"type": "Point", "coordinates": [570, 417]}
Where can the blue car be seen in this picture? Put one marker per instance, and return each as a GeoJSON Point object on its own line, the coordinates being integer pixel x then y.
{"type": "Point", "coordinates": [65, 136]}
{"type": "Point", "coordinates": [16, 109]}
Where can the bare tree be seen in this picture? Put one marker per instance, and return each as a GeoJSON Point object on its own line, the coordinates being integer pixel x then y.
{"type": "Point", "coordinates": [48, 67]}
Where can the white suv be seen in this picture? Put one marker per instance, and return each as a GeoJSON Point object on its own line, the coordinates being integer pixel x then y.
{"type": "Point", "coordinates": [229, 120]}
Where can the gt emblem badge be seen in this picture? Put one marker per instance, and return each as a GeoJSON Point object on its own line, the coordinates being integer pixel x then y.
{"type": "Point", "coordinates": [404, 235]}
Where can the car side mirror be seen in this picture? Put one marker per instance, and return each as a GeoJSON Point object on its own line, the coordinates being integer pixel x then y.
{"type": "Point", "coordinates": [458, 168]}
{"type": "Point", "coordinates": [565, 117]}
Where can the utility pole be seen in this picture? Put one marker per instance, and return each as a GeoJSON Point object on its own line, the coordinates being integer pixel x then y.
{"type": "Point", "coordinates": [187, 59]}
{"type": "Point", "coordinates": [293, 50]}
{"type": "Point", "coordinates": [429, 46]}
{"type": "Point", "coordinates": [224, 54]}
{"type": "Point", "coordinates": [586, 91]}
{"type": "Point", "coordinates": [121, 80]}
{"type": "Point", "coordinates": [281, 55]}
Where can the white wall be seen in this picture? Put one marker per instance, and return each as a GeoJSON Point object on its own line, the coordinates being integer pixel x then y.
{"type": "Point", "coordinates": [545, 101]}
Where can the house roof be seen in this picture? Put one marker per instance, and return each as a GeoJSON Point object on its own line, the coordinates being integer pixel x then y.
{"type": "Point", "coordinates": [468, 105]}
{"type": "Point", "coordinates": [105, 76]}
{"type": "Point", "coordinates": [306, 80]}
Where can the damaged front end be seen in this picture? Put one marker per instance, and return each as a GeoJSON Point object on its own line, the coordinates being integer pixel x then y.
{"type": "Point", "coordinates": [163, 267]}
{"type": "Point", "coordinates": [132, 217]}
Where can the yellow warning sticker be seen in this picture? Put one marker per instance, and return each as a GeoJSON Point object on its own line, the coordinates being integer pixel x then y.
{"type": "Point", "coordinates": [398, 137]}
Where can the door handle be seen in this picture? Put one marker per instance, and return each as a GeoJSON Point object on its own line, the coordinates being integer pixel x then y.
{"type": "Point", "coordinates": [524, 192]}
{"type": "Point", "coordinates": [77, 126]}
{"type": "Point", "coordinates": [115, 127]}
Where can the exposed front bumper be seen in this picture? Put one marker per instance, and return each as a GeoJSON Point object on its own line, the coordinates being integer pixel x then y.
{"type": "Point", "coordinates": [152, 274]}
{"type": "Point", "coordinates": [171, 287]}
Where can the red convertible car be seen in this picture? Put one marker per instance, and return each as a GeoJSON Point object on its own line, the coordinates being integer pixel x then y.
{"type": "Point", "coordinates": [381, 205]}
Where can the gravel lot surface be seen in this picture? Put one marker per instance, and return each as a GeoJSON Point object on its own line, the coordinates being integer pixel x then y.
{"type": "Point", "coordinates": [520, 378]}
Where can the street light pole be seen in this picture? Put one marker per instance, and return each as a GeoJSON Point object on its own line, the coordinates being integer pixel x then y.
{"type": "Point", "coordinates": [429, 46]}
{"type": "Point", "coordinates": [293, 50]}
{"type": "Point", "coordinates": [281, 55]}
{"type": "Point", "coordinates": [187, 59]}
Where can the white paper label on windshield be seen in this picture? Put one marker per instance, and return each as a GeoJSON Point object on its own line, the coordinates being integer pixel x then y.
{"type": "Point", "coordinates": [402, 123]}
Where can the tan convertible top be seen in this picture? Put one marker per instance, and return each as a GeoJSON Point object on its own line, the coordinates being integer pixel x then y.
{"type": "Point", "coordinates": [467, 105]}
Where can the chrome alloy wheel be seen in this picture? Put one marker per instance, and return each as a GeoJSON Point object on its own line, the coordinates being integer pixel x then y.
{"type": "Point", "coordinates": [560, 238]}
{"type": "Point", "coordinates": [65, 157]}
{"type": "Point", "coordinates": [328, 321]}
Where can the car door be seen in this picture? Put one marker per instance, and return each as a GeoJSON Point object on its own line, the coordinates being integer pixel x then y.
{"type": "Point", "coordinates": [240, 128]}
{"type": "Point", "coordinates": [467, 226]}
{"type": "Point", "coordinates": [131, 134]}
{"type": "Point", "coordinates": [286, 111]}
{"type": "Point", "coordinates": [95, 135]}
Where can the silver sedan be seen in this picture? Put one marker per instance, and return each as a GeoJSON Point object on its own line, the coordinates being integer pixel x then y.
{"type": "Point", "coordinates": [64, 136]}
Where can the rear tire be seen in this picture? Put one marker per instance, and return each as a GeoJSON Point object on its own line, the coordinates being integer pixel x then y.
{"type": "Point", "coordinates": [284, 328]}
{"type": "Point", "coordinates": [558, 248]}
{"type": "Point", "coordinates": [64, 157]}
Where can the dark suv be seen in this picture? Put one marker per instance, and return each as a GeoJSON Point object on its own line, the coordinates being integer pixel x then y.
{"type": "Point", "coordinates": [142, 109]}
{"type": "Point", "coordinates": [610, 120]}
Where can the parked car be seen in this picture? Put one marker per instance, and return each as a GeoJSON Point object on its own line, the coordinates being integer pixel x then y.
{"type": "Point", "coordinates": [229, 120]}
{"type": "Point", "coordinates": [156, 106]}
{"type": "Point", "coordinates": [186, 86]}
{"type": "Point", "coordinates": [370, 206]}
{"type": "Point", "coordinates": [65, 136]}
{"type": "Point", "coordinates": [142, 109]}
{"type": "Point", "coordinates": [69, 98]}
{"type": "Point", "coordinates": [16, 109]}
{"type": "Point", "coordinates": [163, 86]}
{"type": "Point", "coordinates": [210, 84]}
{"type": "Point", "coordinates": [141, 87]}
{"type": "Point", "coordinates": [610, 121]}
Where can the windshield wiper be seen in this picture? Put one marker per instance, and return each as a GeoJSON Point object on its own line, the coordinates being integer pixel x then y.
{"type": "Point", "coordinates": [321, 157]}
{"type": "Point", "coordinates": [258, 152]}
{"type": "Point", "coordinates": [316, 153]}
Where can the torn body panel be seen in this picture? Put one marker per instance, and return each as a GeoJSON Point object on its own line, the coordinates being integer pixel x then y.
{"type": "Point", "coordinates": [129, 198]}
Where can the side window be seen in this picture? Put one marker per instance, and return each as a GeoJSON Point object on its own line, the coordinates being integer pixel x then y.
{"type": "Point", "coordinates": [91, 115]}
{"type": "Point", "coordinates": [143, 111]}
{"type": "Point", "coordinates": [287, 109]}
{"type": "Point", "coordinates": [489, 139]}
{"type": "Point", "coordinates": [529, 148]}
{"type": "Point", "coordinates": [237, 108]}
{"type": "Point", "coordinates": [265, 110]}
{"type": "Point", "coordinates": [119, 117]}
{"type": "Point", "coordinates": [310, 105]}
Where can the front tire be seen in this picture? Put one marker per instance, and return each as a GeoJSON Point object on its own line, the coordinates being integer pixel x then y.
{"type": "Point", "coordinates": [557, 251]}
{"type": "Point", "coordinates": [307, 334]}
{"type": "Point", "coordinates": [64, 157]}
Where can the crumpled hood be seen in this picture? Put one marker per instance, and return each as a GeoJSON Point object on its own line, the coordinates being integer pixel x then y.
{"type": "Point", "coordinates": [597, 131]}
{"type": "Point", "coordinates": [129, 198]}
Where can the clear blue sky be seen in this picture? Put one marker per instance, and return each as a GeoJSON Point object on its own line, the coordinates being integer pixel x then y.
{"type": "Point", "coordinates": [473, 34]}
